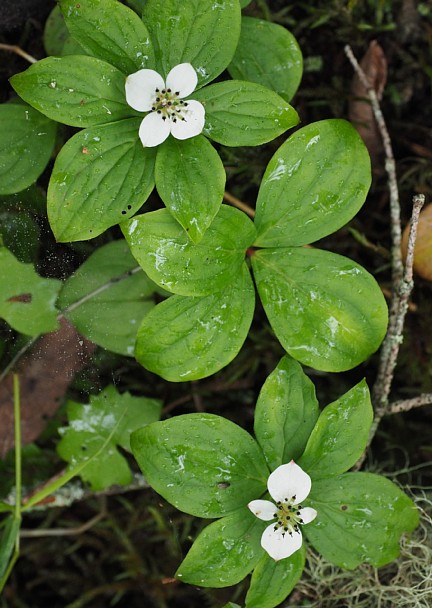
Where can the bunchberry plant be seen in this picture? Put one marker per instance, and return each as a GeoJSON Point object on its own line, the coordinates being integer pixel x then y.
{"type": "Point", "coordinates": [209, 467]}
{"type": "Point", "coordinates": [106, 172]}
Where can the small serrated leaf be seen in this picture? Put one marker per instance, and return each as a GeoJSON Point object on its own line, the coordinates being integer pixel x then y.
{"type": "Point", "coordinates": [95, 430]}
{"type": "Point", "coordinates": [27, 301]}
{"type": "Point", "coordinates": [108, 267]}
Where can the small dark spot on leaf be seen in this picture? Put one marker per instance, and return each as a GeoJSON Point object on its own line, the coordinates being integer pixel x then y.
{"type": "Point", "coordinates": [223, 484]}
{"type": "Point", "coordinates": [24, 298]}
{"type": "Point", "coordinates": [344, 507]}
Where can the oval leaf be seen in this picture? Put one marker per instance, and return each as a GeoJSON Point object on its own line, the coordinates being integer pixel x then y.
{"type": "Point", "coordinates": [240, 113]}
{"type": "Point", "coordinates": [188, 338]}
{"type": "Point", "coordinates": [325, 309]}
{"type": "Point", "coordinates": [110, 31]}
{"type": "Point", "coordinates": [104, 284]}
{"type": "Point", "coordinates": [268, 54]}
{"type": "Point", "coordinates": [27, 301]}
{"type": "Point", "coordinates": [192, 32]}
{"type": "Point", "coordinates": [164, 250]}
{"type": "Point", "coordinates": [361, 517]}
{"type": "Point", "coordinates": [96, 429]}
{"type": "Point", "coordinates": [56, 37]}
{"type": "Point", "coordinates": [224, 553]}
{"type": "Point", "coordinates": [314, 184]}
{"type": "Point", "coordinates": [202, 464]}
{"type": "Point", "coordinates": [285, 414]}
{"type": "Point", "coordinates": [340, 435]}
{"type": "Point", "coordinates": [190, 179]}
{"type": "Point", "coordinates": [26, 145]}
{"type": "Point", "coordinates": [77, 90]}
{"type": "Point", "coordinates": [102, 176]}
{"type": "Point", "coordinates": [272, 581]}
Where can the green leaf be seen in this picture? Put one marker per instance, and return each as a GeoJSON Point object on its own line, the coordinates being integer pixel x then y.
{"type": "Point", "coordinates": [202, 464]}
{"type": "Point", "coordinates": [186, 338]}
{"type": "Point", "coordinates": [56, 37]}
{"type": "Point", "coordinates": [241, 113]}
{"type": "Point", "coordinates": [110, 31]}
{"type": "Point", "coordinates": [190, 179]}
{"type": "Point", "coordinates": [268, 54]}
{"type": "Point", "coordinates": [314, 184]}
{"type": "Point", "coordinates": [79, 91]}
{"type": "Point", "coordinates": [361, 517]}
{"type": "Point", "coordinates": [96, 429]}
{"type": "Point", "coordinates": [341, 434]}
{"type": "Point", "coordinates": [224, 553]}
{"type": "Point", "coordinates": [193, 32]}
{"type": "Point", "coordinates": [27, 301]}
{"type": "Point", "coordinates": [102, 176]}
{"type": "Point", "coordinates": [326, 310]}
{"type": "Point", "coordinates": [244, 3]}
{"type": "Point", "coordinates": [272, 581]}
{"type": "Point", "coordinates": [26, 146]}
{"type": "Point", "coordinates": [107, 292]}
{"type": "Point", "coordinates": [166, 253]}
{"type": "Point", "coordinates": [9, 540]}
{"type": "Point", "coordinates": [285, 413]}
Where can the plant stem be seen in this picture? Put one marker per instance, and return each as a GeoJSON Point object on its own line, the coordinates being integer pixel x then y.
{"type": "Point", "coordinates": [13, 48]}
{"type": "Point", "coordinates": [235, 202]}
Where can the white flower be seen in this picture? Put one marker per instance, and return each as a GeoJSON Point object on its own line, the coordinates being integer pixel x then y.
{"type": "Point", "coordinates": [146, 91]}
{"type": "Point", "coordinates": [288, 485]}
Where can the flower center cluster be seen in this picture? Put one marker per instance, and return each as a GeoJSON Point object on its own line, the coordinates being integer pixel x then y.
{"type": "Point", "coordinates": [167, 103]}
{"type": "Point", "coordinates": [288, 516]}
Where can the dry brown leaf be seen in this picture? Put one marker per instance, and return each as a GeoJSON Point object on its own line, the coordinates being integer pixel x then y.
{"type": "Point", "coordinates": [44, 373]}
{"type": "Point", "coordinates": [374, 65]}
{"type": "Point", "coordinates": [423, 246]}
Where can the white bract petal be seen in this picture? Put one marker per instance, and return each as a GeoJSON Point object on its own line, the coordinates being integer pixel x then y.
{"type": "Point", "coordinates": [263, 509]}
{"type": "Point", "coordinates": [193, 121]}
{"type": "Point", "coordinates": [279, 544]}
{"type": "Point", "coordinates": [307, 514]}
{"type": "Point", "coordinates": [289, 483]}
{"type": "Point", "coordinates": [182, 79]}
{"type": "Point", "coordinates": [141, 89]}
{"type": "Point", "coordinates": [153, 130]}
